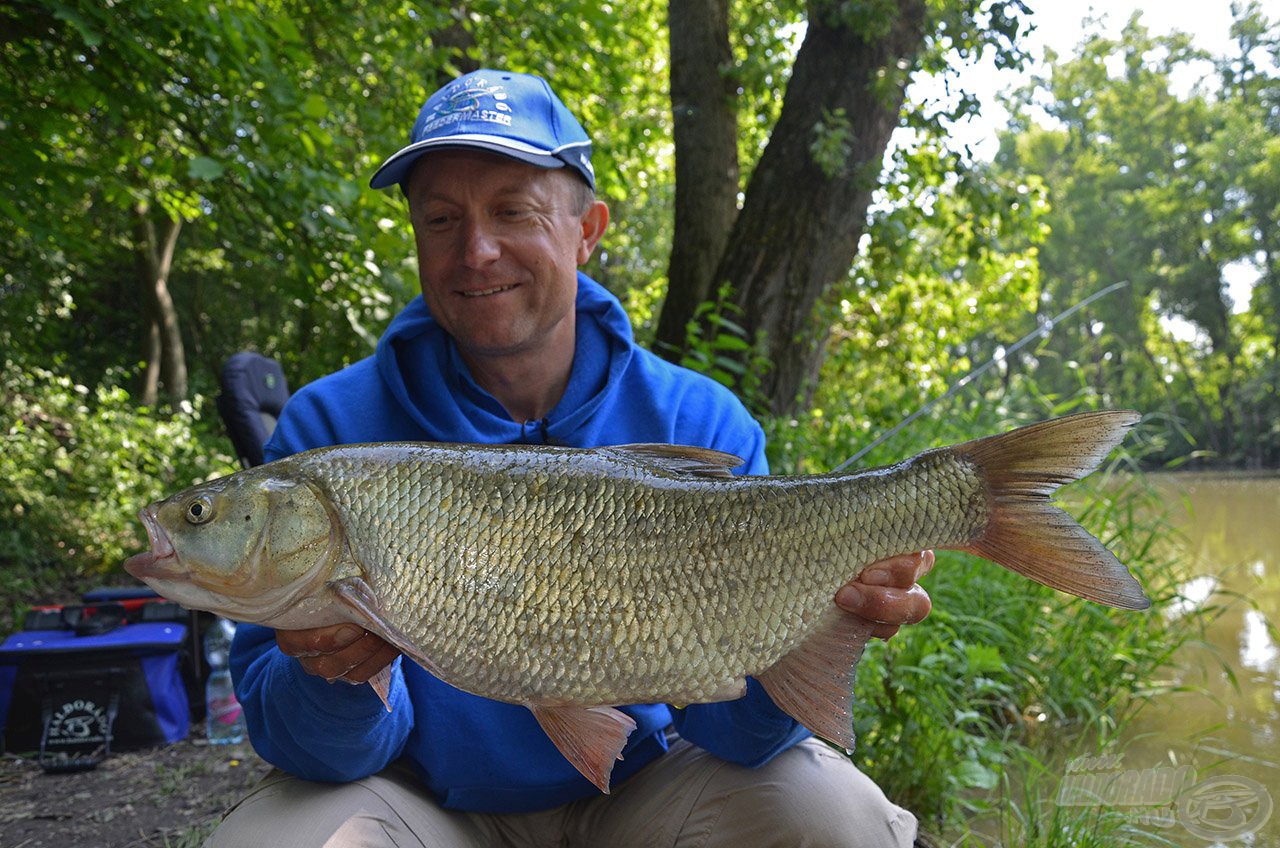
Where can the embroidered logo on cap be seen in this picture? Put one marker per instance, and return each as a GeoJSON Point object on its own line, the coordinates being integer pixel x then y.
{"type": "Point", "coordinates": [470, 99]}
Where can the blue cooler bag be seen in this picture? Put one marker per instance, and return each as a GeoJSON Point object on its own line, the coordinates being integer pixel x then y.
{"type": "Point", "coordinates": [72, 699]}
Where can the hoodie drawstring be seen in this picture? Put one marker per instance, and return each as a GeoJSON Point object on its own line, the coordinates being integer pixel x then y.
{"type": "Point", "coordinates": [533, 432]}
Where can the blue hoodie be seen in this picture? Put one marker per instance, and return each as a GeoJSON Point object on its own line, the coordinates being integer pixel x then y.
{"type": "Point", "coordinates": [474, 753]}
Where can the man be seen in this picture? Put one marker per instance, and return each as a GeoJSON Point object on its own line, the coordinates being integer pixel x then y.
{"type": "Point", "coordinates": [511, 343]}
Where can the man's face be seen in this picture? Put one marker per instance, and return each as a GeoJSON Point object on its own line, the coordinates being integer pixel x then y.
{"type": "Point", "coordinates": [499, 243]}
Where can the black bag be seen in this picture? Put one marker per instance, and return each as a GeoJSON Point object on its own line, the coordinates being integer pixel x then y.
{"type": "Point", "coordinates": [72, 699]}
{"type": "Point", "coordinates": [254, 391]}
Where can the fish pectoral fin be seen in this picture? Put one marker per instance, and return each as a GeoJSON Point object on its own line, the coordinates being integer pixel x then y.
{"type": "Point", "coordinates": [591, 738]}
{"type": "Point", "coordinates": [814, 683]}
{"type": "Point", "coordinates": [356, 594]}
{"type": "Point", "coordinates": [381, 683]}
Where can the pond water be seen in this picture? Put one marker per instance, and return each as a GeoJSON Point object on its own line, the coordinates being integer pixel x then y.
{"type": "Point", "coordinates": [1227, 733]}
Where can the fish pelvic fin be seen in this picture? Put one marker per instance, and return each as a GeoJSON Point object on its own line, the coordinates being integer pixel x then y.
{"type": "Point", "coordinates": [1028, 534]}
{"type": "Point", "coordinates": [814, 682]}
{"type": "Point", "coordinates": [591, 738]}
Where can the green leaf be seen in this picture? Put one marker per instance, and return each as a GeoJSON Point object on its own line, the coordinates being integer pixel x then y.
{"type": "Point", "coordinates": [286, 29]}
{"type": "Point", "coordinates": [983, 658]}
{"type": "Point", "coordinates": [204, 168]}
{"type": "Point", "coordinates": [731, 326]}
{"type": "Point", "coordinates": [315, 106]}
{"type": "Point", "coordinates": [91, 36]}
{"type": "Point", "coordinates": [724, 341]}
{"type": "Point", "coordinates": [973, 774]}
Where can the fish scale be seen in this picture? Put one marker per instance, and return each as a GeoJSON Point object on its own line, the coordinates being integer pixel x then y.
{"type": "Point", "coordinates": [574, 580]}
{"type": "Point", "coordinates": [540, 617]}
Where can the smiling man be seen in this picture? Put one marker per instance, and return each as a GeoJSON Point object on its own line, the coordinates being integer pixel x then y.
{"type": "Point", "coordinates": [511, 343]}
{"type": "Point", "coordinates": [499, 244]}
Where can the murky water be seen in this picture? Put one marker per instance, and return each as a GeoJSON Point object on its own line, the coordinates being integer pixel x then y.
{"type": "Point", "coordinates": [1227, 733]}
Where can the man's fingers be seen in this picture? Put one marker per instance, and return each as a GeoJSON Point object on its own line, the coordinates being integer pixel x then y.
{"type": "Point", "coordinates": [885, 604]}
{"type": "Point", "coordinates": [378, 660]}
{"type": "Point", "coordinates": [899, 571]}
{"type": "Point", "coordinates": [318, 641]}
{"type": "Point", "coordinates": [331, 666]}
{"type": "Point", "coordinates": [341, 652]}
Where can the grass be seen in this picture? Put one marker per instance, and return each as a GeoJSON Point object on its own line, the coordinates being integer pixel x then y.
{"type": "Point", "coordinates": [172, 780]}
{"type": "Point", "coordinates": [190, 837]}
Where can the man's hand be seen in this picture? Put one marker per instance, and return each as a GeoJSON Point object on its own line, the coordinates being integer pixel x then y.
{"type": "Point", "coordinates": [337, 652]}
{"type": "Point", "coordinates": [886, 593]}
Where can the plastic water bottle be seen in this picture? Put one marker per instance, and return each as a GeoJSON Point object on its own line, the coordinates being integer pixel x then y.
{"type": "Point", "coordinates": [224, 725]}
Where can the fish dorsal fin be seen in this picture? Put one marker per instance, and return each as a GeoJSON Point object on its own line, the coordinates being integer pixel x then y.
{"type": "Point", "coordinates": [681, 459]}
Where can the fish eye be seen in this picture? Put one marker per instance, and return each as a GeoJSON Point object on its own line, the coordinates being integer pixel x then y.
{"type": "Point", "coordinates": [199, 510]}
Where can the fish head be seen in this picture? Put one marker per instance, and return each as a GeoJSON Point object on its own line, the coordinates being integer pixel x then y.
{"type": "Point", "coordinates": [249, 546]}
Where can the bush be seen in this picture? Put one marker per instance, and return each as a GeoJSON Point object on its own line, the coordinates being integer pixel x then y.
{"type": "Point", "coordinates": [78, 463]}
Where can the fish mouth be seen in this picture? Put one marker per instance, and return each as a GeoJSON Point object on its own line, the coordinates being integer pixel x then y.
{"type": "Point", "coordinates": [162, 560]}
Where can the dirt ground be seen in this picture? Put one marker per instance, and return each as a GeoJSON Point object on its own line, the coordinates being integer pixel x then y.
{"type": "Point", "coordinates": [169, 796]}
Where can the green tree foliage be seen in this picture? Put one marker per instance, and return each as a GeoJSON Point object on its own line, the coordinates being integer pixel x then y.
{"type": "Point", "coordinates": [77, 464]}
{"type": "Point", "coordinates": [178, 140]}
{"type": "Point", "coordinates": [804, 202]}
{"type": "Point", "coordinates": [243, 134]}
{"type": "Point", "coordinates": [949, 266]}
{"type": "Point", "coordinates": [1169, 191]}
{"type": "Point", "coordinates": [183, 180]}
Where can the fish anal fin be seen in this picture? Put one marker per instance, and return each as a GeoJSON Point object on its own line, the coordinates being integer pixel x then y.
{"type": "Point", "coordinates": [814, 683]}
{"type": "Point", "coordinates": [356, 594]}
{"type": "Point", "coordinates": [591, 738]}
{"type": "Point", "coordinates": [681, 459]}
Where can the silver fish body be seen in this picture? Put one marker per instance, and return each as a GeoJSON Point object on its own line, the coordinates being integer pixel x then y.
{"type": "Point", "coordinates": [546, 575]}
{"type": "Point", "coordinates": [573, 580]}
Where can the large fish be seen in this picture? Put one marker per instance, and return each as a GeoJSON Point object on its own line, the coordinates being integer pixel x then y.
{"type": "Point", "coordinates": [573, 580]}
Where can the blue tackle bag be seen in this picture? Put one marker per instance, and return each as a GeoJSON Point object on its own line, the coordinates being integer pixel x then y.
{"type": "Point", "coordinates": [73, 699]}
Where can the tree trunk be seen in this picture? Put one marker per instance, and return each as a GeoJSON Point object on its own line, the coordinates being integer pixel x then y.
{"type": "Point", "coordinates": [1207, 422]}
{"type": "Point", "coordinates": [455, 40]}
{"type": "Point", "coordinates": [703, 94]}
{"type": "Point", "coordinates": [157, 260]}
{"type": "Point", "coordinates": [151, 374]}
{"type": "Point", "coordinates": [805, 207]}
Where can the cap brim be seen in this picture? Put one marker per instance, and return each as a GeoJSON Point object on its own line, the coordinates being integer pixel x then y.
{"type": "Point", "coordinates": [396, 168]}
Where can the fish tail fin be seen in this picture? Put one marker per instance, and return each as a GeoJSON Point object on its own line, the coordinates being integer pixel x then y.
{"type": "Point", "coordinates": [1026, 533]}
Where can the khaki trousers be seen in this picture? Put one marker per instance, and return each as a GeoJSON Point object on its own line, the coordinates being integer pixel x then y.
{"type": "Point", "coordinates": [809, 795]}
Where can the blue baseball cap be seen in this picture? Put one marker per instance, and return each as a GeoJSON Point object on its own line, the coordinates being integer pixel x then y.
{"type": "Point", "coordinates": [515, 115]}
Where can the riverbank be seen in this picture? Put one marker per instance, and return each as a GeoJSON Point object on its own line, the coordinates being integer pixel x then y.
{"type": "Point", "coordinates": [165, 797]}
{"type": "Point", "coordinates": [1196, 755]}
